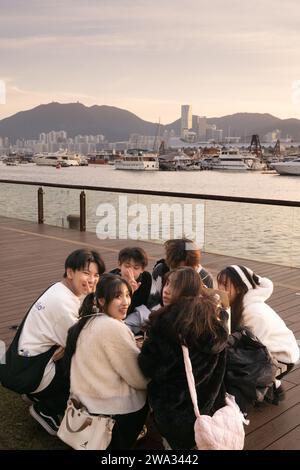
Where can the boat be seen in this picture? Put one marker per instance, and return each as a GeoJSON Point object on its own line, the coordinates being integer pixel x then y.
{"type": "Point", "coordinates": [137, 161]}
{"type": "Point", "coordinates": [227, 160]}
{"type": "Point", "coordinates": [288, 168]}
{"type": "Point", "coordinates": [53, 159]}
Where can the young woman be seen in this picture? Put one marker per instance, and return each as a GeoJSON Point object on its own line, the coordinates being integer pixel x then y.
{"type": "Point", "coordinates": [101, 354]}
{"type": "Point", "coordinates": [247, 295]}
{"type": "Point", "coordinates": [194, 320]}
{"type": "Point", "coordinates": [179, 252]}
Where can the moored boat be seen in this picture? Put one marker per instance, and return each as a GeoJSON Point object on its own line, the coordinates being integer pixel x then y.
{"type": "Point", "coordinates": [288, 168]}
{"type": "Point", "coordinates": [140, 161]}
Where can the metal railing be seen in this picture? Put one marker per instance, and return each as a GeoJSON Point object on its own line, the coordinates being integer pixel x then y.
{"type": "Point", "coordinates": [230, 224]}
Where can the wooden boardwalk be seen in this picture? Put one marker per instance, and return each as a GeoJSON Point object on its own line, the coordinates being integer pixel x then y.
{"type": "Point", "coordinates": [32, 257]}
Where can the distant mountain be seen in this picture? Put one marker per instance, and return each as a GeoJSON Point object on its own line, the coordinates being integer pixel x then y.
{"type": "Point", "coordinates": [117, 124]}
{"type": "Point", "coordinates": [75, 118]}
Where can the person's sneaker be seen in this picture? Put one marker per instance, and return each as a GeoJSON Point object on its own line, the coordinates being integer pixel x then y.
{"type": "Point", "coordinates": [279, 395]}
{"type": "Point", "coordinates": [29, 399]}
{"type": "Point", "coordinates": [275, 395]}
{"type": "Point", "coordinates": [49, 422]}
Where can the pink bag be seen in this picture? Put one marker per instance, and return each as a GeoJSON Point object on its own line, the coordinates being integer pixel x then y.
{"type": "Point", "coordinates": [222, 431]}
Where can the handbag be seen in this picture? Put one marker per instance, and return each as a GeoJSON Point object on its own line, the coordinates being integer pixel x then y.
{"type": "Point", "coordinates": [222, 431]}
{"type": "Point", "coordinates": [83, 431]}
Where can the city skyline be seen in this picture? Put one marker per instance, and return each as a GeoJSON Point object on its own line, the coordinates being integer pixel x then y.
{"type": "Point", "coordinates": [151, 57]}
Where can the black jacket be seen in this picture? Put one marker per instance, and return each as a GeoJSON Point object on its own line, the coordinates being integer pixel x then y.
{"type": "Point", "coordinates": [161, 359]}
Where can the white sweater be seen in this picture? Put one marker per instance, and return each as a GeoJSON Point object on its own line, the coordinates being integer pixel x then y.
{"type": "Point", "coordinates": [47, 324]}
{"type": "Point", "coordinates": [266, 324]}
{"type": "Point", "coordinates": [105, 375]}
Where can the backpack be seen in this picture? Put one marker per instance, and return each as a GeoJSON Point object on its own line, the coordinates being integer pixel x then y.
{"type": "Point", "coordinates": [250, 369]}
{"type": "Point", "coordinates": [23, 374]}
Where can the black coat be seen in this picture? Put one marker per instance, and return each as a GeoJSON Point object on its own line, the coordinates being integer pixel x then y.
{"type": "Point", "coordinates": [161, 359]}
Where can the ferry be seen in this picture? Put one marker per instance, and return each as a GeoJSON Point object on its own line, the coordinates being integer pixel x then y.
{"type": "Point", "coordinates": [138, 161]}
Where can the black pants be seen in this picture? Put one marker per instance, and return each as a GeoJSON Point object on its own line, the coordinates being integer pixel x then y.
{"type": "Point", "coordinates": [53, 399]}
{"type": "Point", "coordinates": [127, 428]}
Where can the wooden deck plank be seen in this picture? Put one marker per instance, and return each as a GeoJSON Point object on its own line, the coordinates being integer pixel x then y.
{"type": "Point", "coordinates": [289, 441]}
{"type": "Point", "coordinates": [274, 430]}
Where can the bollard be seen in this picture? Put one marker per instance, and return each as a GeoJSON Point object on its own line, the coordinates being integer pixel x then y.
{"type": "Point", "coordinates": [82, 212]}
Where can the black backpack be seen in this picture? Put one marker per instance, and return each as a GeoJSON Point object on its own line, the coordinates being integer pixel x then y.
{"type": "Point", "coordinates": [23, 374]}
{"type": "Point", "coordinates": [250, 369]}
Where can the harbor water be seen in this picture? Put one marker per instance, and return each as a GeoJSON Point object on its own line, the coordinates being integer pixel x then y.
{"type": "Point", "coordinates": [250, 231]}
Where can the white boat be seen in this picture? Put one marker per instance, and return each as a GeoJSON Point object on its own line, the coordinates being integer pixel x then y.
{"type": "Point", "coordinates": [288, 168]}
{"type": "Point", "coordinates": [227, 160]}
{"type": "Point", "coordinates": [55, 159]}
{"type": "Point", "coordinates": [232, 160]}
{"type": "Point", "coordinates": [140, 161]}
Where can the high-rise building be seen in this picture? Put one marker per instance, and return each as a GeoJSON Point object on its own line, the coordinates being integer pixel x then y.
{"type": "Point", "coordinates": [186, 119]}
{"type": "Point", "coordinates": [201, 126]}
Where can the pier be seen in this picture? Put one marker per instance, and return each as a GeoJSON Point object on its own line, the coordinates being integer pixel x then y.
{"type": "Point", "coordinates": [32, 257]}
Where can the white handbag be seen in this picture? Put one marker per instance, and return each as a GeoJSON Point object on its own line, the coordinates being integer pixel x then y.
{"type": "Point", "coordinates": [83, 431]}
{"type": "Point", "coordinates": [222, 431]}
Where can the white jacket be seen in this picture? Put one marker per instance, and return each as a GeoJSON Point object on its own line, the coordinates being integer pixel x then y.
{"type": "Point", "coordinates": [264, 323]}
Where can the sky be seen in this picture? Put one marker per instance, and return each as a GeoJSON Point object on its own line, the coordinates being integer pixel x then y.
{"type": "Point", "coordinates": [152, 56]}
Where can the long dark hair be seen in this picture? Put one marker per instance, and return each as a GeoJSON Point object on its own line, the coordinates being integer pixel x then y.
{"type": "Point", "coordinates": [229, 274]}
{"type": "Point", "coordinates": [108, 288]}
{"type": "Point", "coordinates": [195, 309]}
{"type": "Point", "coordinates": [197, 319]}
{"type": "Point", "coordinates": [186, 282]}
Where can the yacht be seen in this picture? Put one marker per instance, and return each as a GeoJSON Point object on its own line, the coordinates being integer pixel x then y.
{"type": "Point", "coordinates": [137, 161]}
{"type": "Point", "coordinates": [57, 158]}
{"type": "Point", "coordinates": [227, 160]}
{"type": "Point", "coordinates": [288, 168]}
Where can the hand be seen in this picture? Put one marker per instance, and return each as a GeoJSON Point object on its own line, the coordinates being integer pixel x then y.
{"type": "Point", "coordinates": [129, 276]}
{"type": "Point", "coordinates": [139, 341]}
{"type": "Point", "coordinates": [59, 354]}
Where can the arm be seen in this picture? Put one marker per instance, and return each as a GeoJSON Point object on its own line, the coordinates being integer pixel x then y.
{"type": "Point", "coordinates": [149, 357]}
{"type": "Point", "coordinates": [122, 353]}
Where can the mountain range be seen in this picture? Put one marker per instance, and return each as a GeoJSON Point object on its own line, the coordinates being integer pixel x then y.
{"type": "Point", "coordinates": [117, 124]}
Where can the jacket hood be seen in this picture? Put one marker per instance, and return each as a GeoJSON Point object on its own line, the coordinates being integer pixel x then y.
{"type": "Point", "coordinates": [260, 294]}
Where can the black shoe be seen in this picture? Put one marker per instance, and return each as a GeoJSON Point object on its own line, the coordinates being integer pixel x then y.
{"type": "Point", "coordinates": [279, 395]}
{"type": "Point", "coordinates": [49, 422]}
{"type": "Point", "coordinates": [275, 395]}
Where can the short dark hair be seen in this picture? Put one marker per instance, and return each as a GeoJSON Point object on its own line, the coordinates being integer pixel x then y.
{"type": "Point", "coordinates": [181, 250]}
{"type": "Point", "coordinates": [137, 254]}
{"type": "Point", "coordinates": [79, 259]}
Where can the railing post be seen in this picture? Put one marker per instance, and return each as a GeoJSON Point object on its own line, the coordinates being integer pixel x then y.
{"type": "Point", "coordinates": [40, 206]}
{"type": "Point", "coordinates": [82, 212]}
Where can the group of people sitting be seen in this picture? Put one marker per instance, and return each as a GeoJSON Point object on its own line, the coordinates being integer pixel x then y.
{"type": "Point", "coordinates": [82, 338]}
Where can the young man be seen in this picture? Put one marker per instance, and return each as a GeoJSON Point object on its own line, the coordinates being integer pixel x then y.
{"type": "Point", "coordinates": [179, 253]}
{"type": "Point", "coordinates": [132, 264]}
{"type": "Point", "coordinates": [33, 361]}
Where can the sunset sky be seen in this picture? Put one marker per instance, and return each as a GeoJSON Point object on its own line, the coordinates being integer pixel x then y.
{"type": "Point", "coordinates": [151, 56]}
